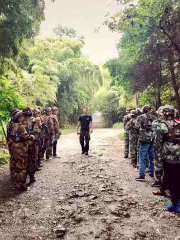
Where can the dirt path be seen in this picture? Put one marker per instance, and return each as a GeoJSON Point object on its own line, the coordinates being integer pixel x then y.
{"type": "Point", "coordinates": [86, 198]}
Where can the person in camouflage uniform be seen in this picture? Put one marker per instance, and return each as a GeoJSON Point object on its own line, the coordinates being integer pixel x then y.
{"type": "Point", "coordinates": [131, 127]}
{"type": "Point", "coordinates": [29, 122]}
{"type": "Point", "coordinates": [56, 128]}
{"type": "Point", "coordinates": [158, 165]}
{"type": "Point", "coordinates": [146, 136]}
{"type": "Point", "coordinates": [38, 128]}
{"type": "Point", "coordinates": [18, 142]}
{"type": "Point", "coordinates": [126, 133]}
{"type": "Point", "coordinates": [167, 150]}
{"type": "Point", "coordinates": [49, 123]}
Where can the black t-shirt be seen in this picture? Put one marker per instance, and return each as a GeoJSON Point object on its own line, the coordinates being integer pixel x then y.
{"type": "Point", "coordinates": [85, 121]}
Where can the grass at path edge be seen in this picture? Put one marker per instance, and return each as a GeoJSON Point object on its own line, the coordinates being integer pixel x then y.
{"type": "Point", "coordinates": [119, 125]}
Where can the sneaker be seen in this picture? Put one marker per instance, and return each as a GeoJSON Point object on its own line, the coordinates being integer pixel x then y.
{"type": "Point", "coordinates": [125, 156]}
{"type": "Point", "coordinates": [82, 152]}
{"type": "Point", "coordinates": [86, 153]}
{"type": "Point", "coordinates": [172, 208]}
{"type": "Point", "coordinates": [156, 184]}
{"type": "Point", "coordinates": [140, 178]}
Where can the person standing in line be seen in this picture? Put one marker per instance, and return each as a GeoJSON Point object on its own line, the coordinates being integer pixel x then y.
{"type": "Point", "coordinates": [56, 128]}
{"type": "Point", "coordinates": [126, 133]}
{"type": "Point", "coordinates": [85, 122]}
{"type": "Point", "coordinates": [131, 127]}
{"type": "Point", "coordinates": [167, 150]}
{"type": "Point", "coordinates": [146, 137]}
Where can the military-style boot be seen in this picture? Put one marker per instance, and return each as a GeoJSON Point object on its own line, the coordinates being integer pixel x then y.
{"type": "Point", "coordinates": [32, 179]}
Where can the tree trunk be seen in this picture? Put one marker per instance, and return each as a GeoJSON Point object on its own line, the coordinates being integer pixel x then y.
{"type": "Point", "coordinates": [159, 86]}
{"type": "Point", "coordinates": [174, 82]}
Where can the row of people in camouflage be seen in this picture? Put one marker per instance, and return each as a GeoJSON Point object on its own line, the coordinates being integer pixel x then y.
{"type": "Point", "coordinates": [31, 135]}
{"type": "Point", "coordinates": [153, 140]}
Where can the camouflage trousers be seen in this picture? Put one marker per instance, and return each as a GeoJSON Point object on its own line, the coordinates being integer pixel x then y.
{"type": "Point", "coordinates": [158, 170]}
{"type": "Point", "coordinates": [126, 143]}
{"type": "Point", "coordinates": [48, 147]}
{"type": "Point", "coordinates": [133, 147]}
{"type": "Point", "coordinates": [18, 163]}
{"type": "Point", "coordinates": [33, 151]}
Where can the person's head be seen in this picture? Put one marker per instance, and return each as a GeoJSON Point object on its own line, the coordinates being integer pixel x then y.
{"type": "Point", "coordinates": [168, 112]}
{"type": "Point", "coordinates": [133, 113]}
{"type": "Point", "coordinates": [27, 111]}
{"type": "Point", "coordinates": [55, 110]}
{"type": "Point", "coordinates": [13, 113]}
{"type": "Point", "coordinates": [146, 108]}
{"type": "Point", "coordinates": [128, 110]}
{"type": "Point", "coordinates": [36, 112]}
{"type": "Point", "coordinates": [17, 116]}
{"type": "Point", "coordinates": [85, 110]}
{"type": "Point", "coordinates": [48, 111]}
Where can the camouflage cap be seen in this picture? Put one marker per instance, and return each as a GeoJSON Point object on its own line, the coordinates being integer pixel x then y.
{"type": "Point", "coordinates": [17, 115]}
{"type": "Point", "coordinates": [168, 110]}
{"type": "Point", "coordinates": [40, 108]}
{"type": "Point", "coordinates": [14, 111]}
{"type": "Point", "coordinates": [48, 109]}
{"type": "Point", "coordinates": [36, 110]}
{"type": "Point", "coordinates": [54, 109]}
{"type": "Point", "coordinates": [27, 111]}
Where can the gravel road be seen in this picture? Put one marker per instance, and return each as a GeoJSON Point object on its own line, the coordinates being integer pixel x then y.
{"type": "Point", "coordinates": [79, 197]}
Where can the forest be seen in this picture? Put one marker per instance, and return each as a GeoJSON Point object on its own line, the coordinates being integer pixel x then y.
{"type": "Point", "coordinates": [54, 71]}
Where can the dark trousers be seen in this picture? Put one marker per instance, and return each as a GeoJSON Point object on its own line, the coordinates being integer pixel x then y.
{"type": "Point", "coordinates": [54, 148]}
{"type": "Point", "coordinates": [84, 141]}
{"type": "Point", "coordinates": [172, 179]}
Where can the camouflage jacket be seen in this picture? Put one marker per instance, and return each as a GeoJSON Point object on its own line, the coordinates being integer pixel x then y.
{"type": "Point", "coordinates": [131, 126]}
{"type": "Point", "coordinates": [144, 127]}
{"type": "Point", "coordinates": [56, 123]}
{"type": "Point", "coordinates": [17, 133]}
{"type": "Point", "coordinates": [167, 141]}
{"type": "Point", "coordinates": [49, 122]}
{"type": "Point", "coordinates": [126, 119]}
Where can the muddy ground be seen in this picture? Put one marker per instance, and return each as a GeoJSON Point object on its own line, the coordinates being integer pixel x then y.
{"type": "Point", "coordinates": [86, 198]}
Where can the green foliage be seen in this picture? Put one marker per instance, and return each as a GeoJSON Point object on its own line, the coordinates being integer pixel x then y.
{"type": "Point", "coordinates": [62, 31]}
{"type": "Point", "coordinates": [148, 50]}
{"type": "Point", "coordinates": [9, 95]}
{"type": "Point", "coordinates": [118, 125]}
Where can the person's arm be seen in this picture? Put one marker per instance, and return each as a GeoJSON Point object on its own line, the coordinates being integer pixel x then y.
{"type": "Point", "coordinates": [91, 127]}
{"type": "Point", "coordinates": [78, 126]}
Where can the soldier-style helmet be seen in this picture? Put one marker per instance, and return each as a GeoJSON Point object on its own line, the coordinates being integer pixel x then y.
{"type": "Point", "coordinates": [146, 108]}
{"type": "Point", "coordinates": [27, 111]}
{"type": "Point", "coordinates": [17, 114]}
{"type": "Point", "coordinates": [54, 109]}
{"type": "Point", "coordinates": [14, 111]}
{"type": "Point", "coordinates": [48, 109]}
{"type": "Point", "coordinates": [168, 110]}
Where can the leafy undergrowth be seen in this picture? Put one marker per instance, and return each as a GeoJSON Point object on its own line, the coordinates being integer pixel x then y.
{"type": "Point", "coordinates": [4, 156]}
{"type": "Point", "coordinates": [118, 125]}
{"type": "Point", "coordinates": [68, 129]}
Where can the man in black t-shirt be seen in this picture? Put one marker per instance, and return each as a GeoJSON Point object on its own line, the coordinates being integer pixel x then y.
{"type": "Point", "coordinates": [85, 122]}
